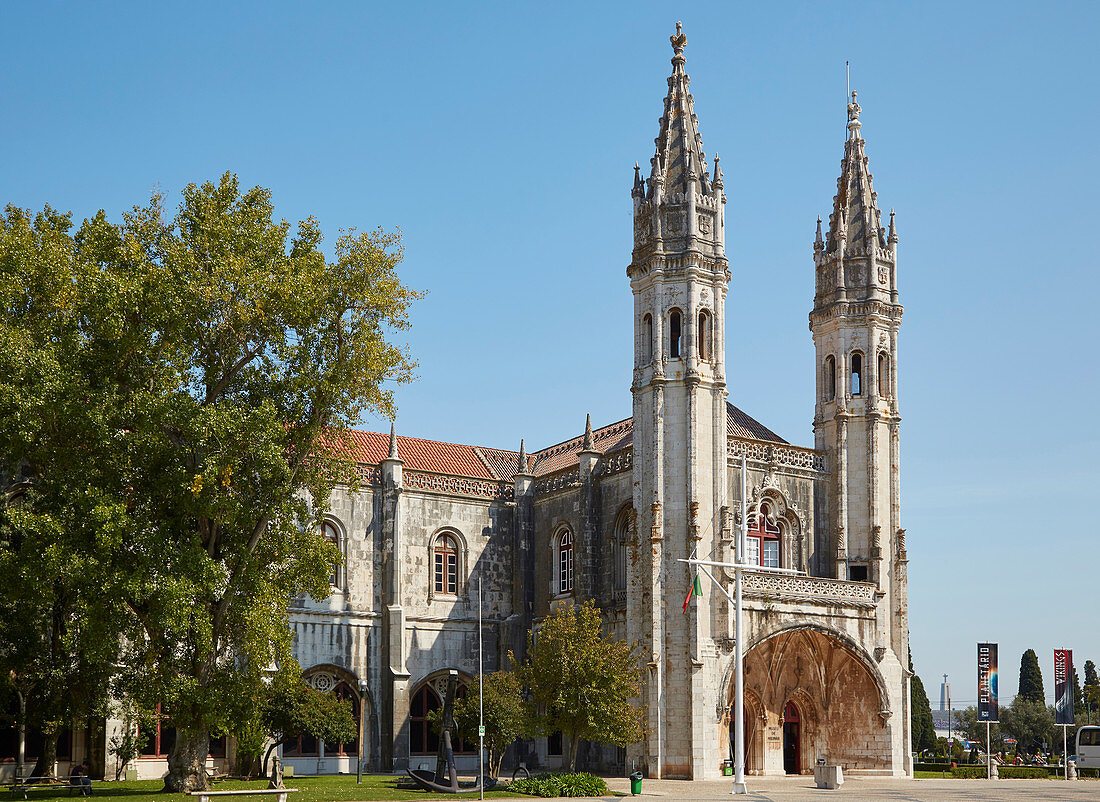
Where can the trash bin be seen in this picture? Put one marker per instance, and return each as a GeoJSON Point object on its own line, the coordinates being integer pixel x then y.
{"type": "Point", "coordinates": [727, 768]}
{"type": "Point", "coordinates": [636, 783]}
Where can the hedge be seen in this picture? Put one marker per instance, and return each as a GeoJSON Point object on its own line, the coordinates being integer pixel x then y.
{"type": "Point", "coordinates": [1024, 772]}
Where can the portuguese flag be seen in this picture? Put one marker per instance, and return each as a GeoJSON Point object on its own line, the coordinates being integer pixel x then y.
{"type": "Point", "coordinates": [696, 590]}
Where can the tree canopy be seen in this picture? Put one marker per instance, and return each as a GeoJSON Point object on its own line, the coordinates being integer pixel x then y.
{"type": "Point", "coordinates": [581, 682]}
{"type": "Point", "coordinates": [920, 714]}
{"type": "Point", "coordinates": [505, 714]}
{"type": "Point", "coordinates": [1031, 678]}
{"type": "Point", "coordinates": [177, 396]}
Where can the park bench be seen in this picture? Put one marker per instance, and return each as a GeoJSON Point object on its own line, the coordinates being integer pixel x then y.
{"type": "Point", "coordinates": [41, 784]}
{"type": "Point", "coordinates": [208, 796]}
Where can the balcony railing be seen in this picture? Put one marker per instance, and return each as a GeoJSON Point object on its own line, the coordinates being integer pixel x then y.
{"type": "Point", "coordinates": [808, 589]}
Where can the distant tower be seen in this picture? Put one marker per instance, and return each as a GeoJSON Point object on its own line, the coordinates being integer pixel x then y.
{"type": "Point", "coordinates": [679, 276]}
{"type": "Point", "coordinates": [855, 323]}
{"type": "Point", "coordinates": [945, 694]}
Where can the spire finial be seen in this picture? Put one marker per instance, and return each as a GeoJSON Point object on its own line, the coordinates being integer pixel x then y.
{"type": "Point", "coordinates": [678, 41]}
{"type": "Point", "coordinates": [717, 182]}
{"type": "Point", "coordinates": [893, 237]}
{"type": "Point", "coordinates": [589, 443]}
{"type": "Point", "coordinates": [393, 441]}
{"type": "Point", "coordinates": [639, 185]}
{"type": "Point", "coordinates": [853, 108]}
{"type": "Point", "coordinates": [819, 243]}
{"type": "Point", "coordinates": [521, 462]}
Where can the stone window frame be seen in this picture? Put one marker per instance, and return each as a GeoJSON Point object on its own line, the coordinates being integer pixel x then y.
{"type": "Point", "coordinates": [883, 374]}
{"type": "Point", "coordinates": [435, 683]}
{"type": "Point", "coordinates": [460, 570]}
{"type": "Point", "coordinates": [560, 590]}
{"type": "Point", "coordinates": [855, 370]}
{"type": "Point", "coordinates": [340, 538]}
{"type": "Point", "coordinates": [648, 351]}
{"type": "Point", "coordinates": [676, 334]}
{"type": "Point", "coordinates": [828, 376]}
{"type": "Point", "coordinates": [620, 541]}
{"type": "Point", "coordinates": [705, 334]}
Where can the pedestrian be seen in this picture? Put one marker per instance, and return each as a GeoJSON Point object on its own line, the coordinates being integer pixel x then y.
{"type": "Point", "coordinates": [80, 779]}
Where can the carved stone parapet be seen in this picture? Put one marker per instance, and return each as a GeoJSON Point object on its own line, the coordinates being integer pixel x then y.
{"type": "Point", "coordinates": [808, 588]}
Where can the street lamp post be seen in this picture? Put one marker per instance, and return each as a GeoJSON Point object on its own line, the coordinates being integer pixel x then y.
{"type": "Point", "coordinates": [359, 751]}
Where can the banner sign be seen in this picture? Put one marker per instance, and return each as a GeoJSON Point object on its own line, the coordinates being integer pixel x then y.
{"type": "Point", "coordinates": [1063, 690]}
{"type": "Point", "coordinates": [987, 682]}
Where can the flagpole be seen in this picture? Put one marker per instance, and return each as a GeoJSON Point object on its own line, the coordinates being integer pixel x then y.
{"type": "Point", "coordinates": [739, 648]}
{"type": "Point", "coordinates": [988, 756]}
{"type": "Point", "coordinates": [480, 703]}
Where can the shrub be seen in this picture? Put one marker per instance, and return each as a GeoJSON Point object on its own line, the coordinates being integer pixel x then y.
{"type": "Point", "coordinates": [579, 784]}
{"type": "Point", "coordinates": [1024, 772]}
{"type": "Point", "coordinates": [969, 772]}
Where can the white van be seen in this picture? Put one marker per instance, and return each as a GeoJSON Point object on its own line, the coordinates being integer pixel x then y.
{"type": "Point", "coordinates": [1088, 748]}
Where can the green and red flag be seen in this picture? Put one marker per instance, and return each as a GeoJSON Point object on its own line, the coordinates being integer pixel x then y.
{"type": "Point", "coordinates": [696, 590]}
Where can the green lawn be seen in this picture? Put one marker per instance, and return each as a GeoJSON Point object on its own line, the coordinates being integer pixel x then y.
{"type": "Point", "coordinates": [332, 788]}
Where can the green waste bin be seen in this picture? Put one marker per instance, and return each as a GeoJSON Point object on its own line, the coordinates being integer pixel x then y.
{"type": "Point", "coordinates": [636, 783]}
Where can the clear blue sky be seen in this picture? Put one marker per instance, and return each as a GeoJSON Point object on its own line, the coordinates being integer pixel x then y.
{"type": "Point", "coordinates": [501, 139]}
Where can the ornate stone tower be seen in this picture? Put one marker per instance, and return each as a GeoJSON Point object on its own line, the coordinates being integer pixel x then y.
{"type": "Point", "coordinates": [855, 324]}
{"type": "Point", "coordinates": [679, 276]}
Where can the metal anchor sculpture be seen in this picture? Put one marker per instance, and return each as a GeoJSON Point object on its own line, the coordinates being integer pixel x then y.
{"type": "Point", "coordinates": [445, 778]}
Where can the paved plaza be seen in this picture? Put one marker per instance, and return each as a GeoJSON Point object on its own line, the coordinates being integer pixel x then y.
{"type": "Point", "coordinates": [802, 787]}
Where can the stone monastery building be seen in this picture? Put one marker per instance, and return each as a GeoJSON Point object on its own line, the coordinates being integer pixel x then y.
{"type": "Point", "coordinates": [608, 515]}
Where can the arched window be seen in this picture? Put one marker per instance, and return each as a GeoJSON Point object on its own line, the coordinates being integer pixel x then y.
{"type": "Point", "coordinates": [565, 561]}
{"type": "Point", "coordinates": [344, 693]}
{"type": "Point", "coordinates": [619, 541]}
{"type": "Point", "coordinates": [883, 374]}
{"type": "Point", "coordinates": [857, 373]}
{"type": "Point", "coordinates": [829, 378]}
{"type": "Point", "coordinates": [332, 535]}
{"type": "Point", "coordinates": [647, 333]}
{"type": "Point", "coordinates": [445, 563]}
{"type": "Point", "coordinates": [762, 543]}
{"type": "Point", "coordinates": [674, 334]}
{"type": "Point", "coordinates": [423, 739]}
{"type": "Point", "coordinates": [704, 335]}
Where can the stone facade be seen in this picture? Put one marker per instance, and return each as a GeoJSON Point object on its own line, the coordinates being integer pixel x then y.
{"type": "Point", "coordinates": [611, 514]}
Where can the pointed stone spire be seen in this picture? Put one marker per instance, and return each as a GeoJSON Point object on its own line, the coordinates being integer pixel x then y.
{"type": "Point", "coordinates": [521, 462]}
{"type": "Point", "coordinates": [853, 224]}
{"type": "Point", "coordinates": [393, 441]}
{"type": "Point", "coordinates": [717, 182]}
{"type": "Point", "coordinates": [679, 160]}
{"type": "Point", "coordinates": [893, 237]}
{"type": "Point", "coordinates": [819, 243]}
{"type": "Point", "coordinates": [639, 185]}
{"type": "Point", "coordinates": [589, 443]}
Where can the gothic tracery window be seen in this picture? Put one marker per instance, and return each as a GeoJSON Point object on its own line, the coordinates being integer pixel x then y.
{"type": "Point", "coordinates": [762, 543]}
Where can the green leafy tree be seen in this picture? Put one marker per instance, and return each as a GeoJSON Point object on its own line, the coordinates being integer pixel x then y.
{"type": "Point", "coordinates": [506, 715]}
{"type": "Point", "coordinates": [920, 714]}
{"type": "Point", "coordinates": [1091, 679]}
{"type": "Point", "coordinates": [967, 723]}
{"type": "Point", "coordinates": [1029, 722]}
{"type": "Point", "coordinates": [582, 683]}
{"type": "Point", "coordinates": [1031, 678]}
{"type": "Point", "coordinates": [179, 391]}
{"type": "Point", "coordinates": [1078, 693]}
{"type": "Point", "coordinates": [291, 707]}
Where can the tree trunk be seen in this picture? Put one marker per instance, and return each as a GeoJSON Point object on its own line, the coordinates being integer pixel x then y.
{"type": "Point", "coordinates": [187, 762]}
{"type": "Point", "coordinates": [47, 760]}
{"type": "Point", "coordinates": [574, 744]}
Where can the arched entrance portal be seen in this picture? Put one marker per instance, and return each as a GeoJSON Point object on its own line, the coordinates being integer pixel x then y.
{"type": "Point", "coordinates": [809, 694]}
{"type": "Point", "coordinates": [792, 746]}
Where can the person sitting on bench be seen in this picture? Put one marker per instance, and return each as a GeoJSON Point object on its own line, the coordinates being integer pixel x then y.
{"type": "Point", "coordinates": [80, 778]}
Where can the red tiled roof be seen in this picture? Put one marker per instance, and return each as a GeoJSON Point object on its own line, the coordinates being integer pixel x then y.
{"type": "Point", "coordinates": [563, 455]}
{"type": "Point", "coordinates": [371, 448]}
{"type": "Point", "coordinates": [738, 424]}
{"type": "Point", "coordinates": [477, 462]}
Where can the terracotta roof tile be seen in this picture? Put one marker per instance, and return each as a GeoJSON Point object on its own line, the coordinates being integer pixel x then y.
{"type": "Point", "coordinates": [478, 462]}
{"type": "Point", "coordinates": [739, 424]}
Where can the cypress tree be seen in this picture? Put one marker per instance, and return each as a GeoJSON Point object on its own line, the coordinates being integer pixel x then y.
{"type": "Point", "coordinates": [920, 713]}
{"type": "Point", "coordinates": [1090, 674]}
{"type": "Point", "coordinates": [1078, 696]}
{"type": "Point", "coordinates": [1031, 678]}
